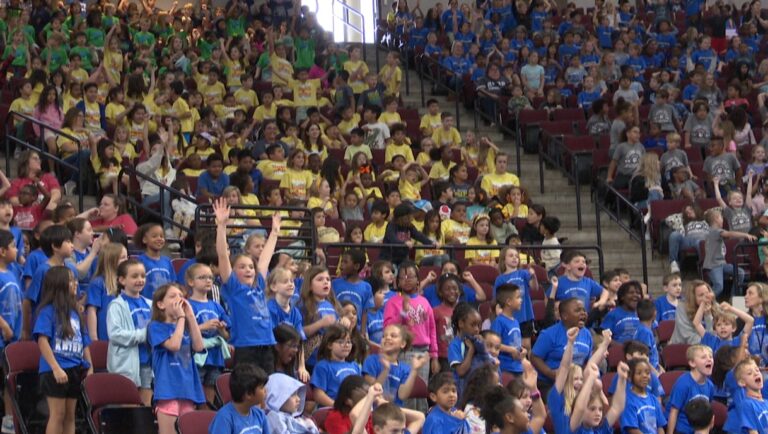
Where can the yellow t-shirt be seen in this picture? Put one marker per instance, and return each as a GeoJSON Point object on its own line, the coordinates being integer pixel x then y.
{"type": "Point", "coordinates": [441, 137]}
{"type": "Point", "coordinates": [92, 119]}
{"type": "Point", "coordinates": [393, 83]}
{"type": "Point", "coordinates": [112, 110]}
{"type": "Point", "coordinates": [314, 148]}
{"type": "Point", "coordinates": [421, 253]}
{"type": "Point", "coordinates": [305, 94]}
{"type": "Point", "coordinates": [213, 93]}
{"type": "Point", "coordinates": [79, 75]}
{"type": "Point", "coordinates": [272, 170]}
{"type": "Point", "coordinates": [180, 107]}
{"type": "Point", "coordinates": [194, 173]}
{"type": "Point", "coordinates": [373, 233]}
{"type": "Point", "coordinates": [493, 182]}
{"type": "Point", "coordinates": [263, 112]}
{"type": "Point", "coordinates": [230, 169]}
{"type": "Point", "coordinates": [358, 86]}
{"type": "Point", "coordinates": [390, 118]}
{"type": "Point", "coordinates": [61, 141]}
{"type": "Point", "coordinates": [297, 182]}
{"type": "Point", "coordinates": [135, 132]}
{"type": "Point", "coordinates": [68, 102]}
{"type": "Point", "coordinates": [439, 171]}
{"type": "Point", "coordinates": [203, 153]}
{"type": "Point", "coordinates": [490, 157]}
{"type": "Point", "coordinates": [24, 106]}
{"type": "Point", "coordinates": [316, 202]}
{"type": "Point", "coordinates": [522, 211]}
{"type": "Point", "coordinates": [456, 230]}
{"type": "Point", "coordinates": [113, 63]}
{"type": "Point", "coordinates": [247, 98]}
{"type": "Point", "coordinates": [234, 69]}
{"type": "Point", "coordinates": [283, 67]}
{"type": "Point", "coordinates": [346, 127]}
{"type": "Point", "coordinates": [423, 159]}
{"type": "Point", "coordinates": [481, 256]}
{"type": "Point", "coordinates": [249, 199]}
{"type": "Point", "coordinates": [293, 142]}
{"type": "Point", "coordinates": [409, 191]}
{"type": "Point", "coordinates": [128, 151]}
{"type": "Point", "coordinates": [392, 150]}
{"type": "Point", "coordinates": [226, 112]}
{"type": "Point", "coordinates": [430, 122]}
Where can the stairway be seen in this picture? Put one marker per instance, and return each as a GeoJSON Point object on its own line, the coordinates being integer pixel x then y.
{"type": "Point", "coordinates": [558, 198]}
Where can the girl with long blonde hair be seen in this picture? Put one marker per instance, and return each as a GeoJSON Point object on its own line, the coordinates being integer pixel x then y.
{"type": "Point", "coordinates": [103, 288]}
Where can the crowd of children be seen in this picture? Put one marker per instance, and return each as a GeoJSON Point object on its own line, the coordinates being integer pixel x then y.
{"type": "Point", "coordinates": [252, 104]}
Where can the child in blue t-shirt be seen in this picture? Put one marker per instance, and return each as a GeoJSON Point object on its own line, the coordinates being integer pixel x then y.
{"type": "Point", "coordinates": [508, 299]}
{"type": "Point", "coordinates": [103, 288]}
{"type": "Point", "coordinates": [466, 351]}
{"type": "Point", "coordinates": [247, 384]}
{"type": "Point", "coordinates": [214, 327]}
{"type": "Point", "coordinates": [525, 279]}
{"type": "Point", "coordinates": [63, 347]}
{"type": "Point", "coordinates": [351, 287]}
{"type": "Point", "coordinates": [243, 290]}
{"type": "Point", "coordinates": [151, 238]}
{"type": "Point", "coordinates": [642, 410]}
{"type": "Point", "coordinates": [10, 302]}
{"type": "Point", "coordinates": [332, 366]}
{"type": "Point", "coordinates": [375, 326]}
{"type": "Point", "coordinates": [589, 94]}
{"type": "Point", "coordinates": [622, 321]}
{"type": "Point", "coordinates": [128, 317]}
{"type": "Point", "coordinates": [281, 288]}
{"type": "Point", "coordinates": [637, 350]}
{"type": "Point", "coordinates": [693, 384]}
{"type": "Point", "coordinates": [574, 284]}
{"type": "Point", "coordinates": [646, 313]}
{"type": "Point", "coordinates": [397, 378]}
{"type": "Point", "coordinates": [700, 415]}
{"type": "Point", "coordinates": [666, 306]}
{"type": "Point", "coordinates": [174, 335]}
{"type": "Point", "coordinates": [753, 408]}
{"type": "Point", "coordinates": [724, 326]}
{"type": "Point", "coordinates": [444, 418]}
{"type": "Point", "coordinates": [589, 404]}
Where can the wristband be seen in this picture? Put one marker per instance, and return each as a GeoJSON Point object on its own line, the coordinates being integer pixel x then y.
{"type": "Point", "coordinates": [536, 395]}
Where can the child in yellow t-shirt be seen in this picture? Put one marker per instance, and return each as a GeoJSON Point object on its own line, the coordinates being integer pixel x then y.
{"type": "Point", "coordinates": [424, 159]}
{"type": "Point", "coordinates": [304, 93]}
{"type": "Point", "coordinates": [246, 96]}
{"type": "Point", "coordinates": [412, 178]}
{"type": "Point", "coordinates": [456, 229]}
{"type": "Point", "coordinates": [431, 120]}
{"type": "Point", "coordinates": [357, 69]}
{"type": "Point", "coordinates": [291, 137]}
{"type": "Point", "coordinates": [390, 116]}
{"type": "Point", "coordinates": [274, 167]}
{"type": "Point", "coordinates": [349, 120]}
{"type": "Point", "coordinates": [296, 181]}
{"type": "Point", "coordinates": [213, 90]}
{"type": "Point", "coordinates": [446, 135]}
{"type": "Point", "coordinates": [320, 197]}
{"type": "Point", "coordinates": [514, 207]}
{"type": "Point", "coordinates": [391, 75]}
{"type": "Point", "coordinates": [115, 112]}
{"type": "Point", "coordinates": [480, 235]}
{"type": "Point", "coordinates": [24, 104]}
{"type": "Point", "coordinates": [233, 67]}
{"type": "Point", "coordinates": [398, 145]}
{"type": "Point", "coordinates": [374, 232]}
{"type": "Point", "coordinates": [267, 110]}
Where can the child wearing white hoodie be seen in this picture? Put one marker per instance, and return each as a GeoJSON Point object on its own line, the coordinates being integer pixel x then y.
{"type": "Point", "coordinates": [285, 401]}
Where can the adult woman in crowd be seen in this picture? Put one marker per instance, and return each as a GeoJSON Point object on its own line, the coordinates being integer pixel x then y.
{"type": "Point", "coordinates": [29, 171]}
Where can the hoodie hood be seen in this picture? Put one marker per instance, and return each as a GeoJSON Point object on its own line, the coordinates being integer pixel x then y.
{"type": "Point", "coordinates": [280, 387]}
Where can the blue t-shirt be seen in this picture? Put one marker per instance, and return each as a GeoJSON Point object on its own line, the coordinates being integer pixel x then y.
{"type": "Point", "coordinates": [622, 324]}
{"type": "Point", "coordinates": [292, 317]}
{"type": "Point", "coordinates": [457, 350]}
{"type": "Point", "coordinates": [603, 428]}
{"type": "Point", "coordinates": [141, 314]}
{"type": "Point", "coordinates": [693, 7]}
{"type": "Point", "coordinates": [206, 311]}
{"type": "Point", "coordinates": [68, 352]}
{"type": "Point", "coordinates": [100, 299]}
{"type": "Point", "coordinates": [584, 289]}
{"type": "Point", "coordinates": [704, 57]}
{"type": "Point", "coordinates": [329, 374]}
{"type": "Point", "coordinates": [359, 293]}
{"type": "Point", "coordinates": [551, 343]}
{"type": "Point", "coordinates": [586, 99]}
{"type": "Point", "coordinates": [175, 372]}
{"type": "Point", "coordinates": [430, 293]}
{"type": "Point", "coordinates": [80, 257]}
{"type": "Point", "coordinates": [375, 325]}
{"type": "Point", "coordinates": [605, 36]}
{"type": "Point", "coordinates": [645, 335]}
{"type": "Point", "coordinates": [159, 272]}
{"type": "Point", "coordinates": [654, 387]}
{"type": "Point", "coordinates": [440, 422]}
{"type": "Point", "coordinates": [715, 342]}
{"type": "Point", "coordinates": [398, 373]}
{"type": "Point", "coordinates": [36, 286]}
{"type": "Point", "coordinates": [229, 421]}
{"type": "Point", "coordinates": [758, 343]}
{"type": "Point", "coordinates": [214, 187]}
{"type": "Point", "coordinates": [251, 322]}
{"type": "Point", "coordinates": [664, 309]}
{"type": "Point", "coordinates": [35, 258]}
{"type": "Point", "coordinates": [754, 415]}
{"type": "Point", "coordinates": [10, 303]}
{"type": "Point", "coordinates": [509, 330]}
{"type": "Point", "coordinates": [521, 278]}
{"type": "Point", "coordinates": [18, 238]}
{"type": "Point", "coordinates": [180, 276]}
{"type": "Point", "coordinates": [643, 413]}
{"type": "Point", "coordinates": [734, 395]}
{"type": "Point", "coordinates": [556, 403]}
{"type": "Point", "coordinates": [684, 390]}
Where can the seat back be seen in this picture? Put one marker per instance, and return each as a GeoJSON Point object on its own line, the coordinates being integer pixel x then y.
{"type": "Point", "coordinates": [674, 356]}
{"type": "Point", "coordinates": [99, 355]}
{"type": "Point", "coordinates": [104, 388]}
{"type": "Point", "coordinates": [484, 273]}
{"type": "Point", "coordinates": [666, 328]}
{"type": "Point", "coordinates": [319, 417]}
{"type": "Point", "coordinates": [21, 363]}
{"type": "Point", "coordinates": [223, 393]}
{"type": "Point", "coordinates": [126, 420]}
{"type": "Point", "coordinates": [195, 422]}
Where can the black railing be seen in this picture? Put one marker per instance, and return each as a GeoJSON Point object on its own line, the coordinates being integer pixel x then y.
{"type": "Point", "coordinates": [164, 189]}
{"type": "Point", "coordinates": [304, 226]}
{"type": "Point", "coordinates": [426, 64]}
{"type": "Point", "coordinates": [41, 147]}
{"type": "Point", "coordinates": [745, 258]}
{"type": "Point", "coordinates": [625, 214]}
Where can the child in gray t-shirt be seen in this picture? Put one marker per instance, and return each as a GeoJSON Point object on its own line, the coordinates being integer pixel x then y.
{"type": "Point", "coordinates": [714, 255]}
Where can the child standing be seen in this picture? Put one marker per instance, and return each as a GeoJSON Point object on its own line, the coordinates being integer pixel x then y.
{"type": "Point", "coordinates": [397, 378]}
{"type": "Point", "coordinates": [525, 279]}
{"type": "Point", "coordinates": [282, 289]}
{"type": "Point", "coordinates": [574, 283]}
{"type": "Point", "coordinates": [667, 306]}
{"type": "Point", "coordinates": [642, 411]}
{"type": "Point", "coordinates": [480, 235]}
{"type": "Point", "coordinates": [375, 326]}
{"type": "Point", "coordinates": [466, 351]}
{"type": "Point", "coordinates": [696, 383]}
{"type": "Point", "coordinates": [646, 313]}
{"type": "Point", "coordinates": [213, 322]}
{"type": "Point", "coordinates": [151, 238]}
{"type": "Point", "coordinates": [128, 317]}
{"type": "Point", "coordinates": [10, 314]}
{"type": "Point", "coordinates": [724, 326]}
{"type": "Point", "coordinates": [64, 351]}
{"type": "Point", "coordinates": [103, 288]}
{"type": "Point", "coordinates": [509, 300]}
{"type": "Point", "coordinates": [173, 335]}
{"type": "Point", "coordinates": [550, 257]}
{"type": "Point", "coordinates": [332, 367]}
{"type": "Point", "coordinates": [247, 383]}
{"type": "Point", "coordinates": [444, 417]}
{"type": "Point", "coordinates": [351, 287]}
{"type": "Point", "coordinates": [623, 321]}
{"type": "Point", "coordinates": [714, 257]}
{"type": "Point", "coordinates": [243, 287]}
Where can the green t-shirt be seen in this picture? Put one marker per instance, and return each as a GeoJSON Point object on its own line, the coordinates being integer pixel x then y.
{"type": "Point", "coordinates": [144, 38]}
{"type": "Point", "coordinates": [59, 57]}
{"type": "Point", "coordinates": [95, 37]}
{"type": "Point", "coordinates": [206, 48]}
{"type": "Point", "coordinates": [19, 55]}
{"type": "Point", "coordinates": [85, 57]}
{"type": "Point", "coordinates": [305, 53]}
{"type": "Point", "coordinates": [236, 27]}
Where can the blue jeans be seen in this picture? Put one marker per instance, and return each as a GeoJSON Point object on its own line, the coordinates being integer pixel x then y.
{"type": "Point", "coordinates": [717, 276]}
{"type": "Point", "coordinates": [677, 242]}
{"type": "Point", "coordinates": [166, 207]}
{"type": "Point", "coordinates": [74, 159]}
{"type": "Point", "coordinates": [653, 195]}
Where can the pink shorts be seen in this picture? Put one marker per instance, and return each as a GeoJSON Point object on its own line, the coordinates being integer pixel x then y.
{"type": "Point", "coordinates": [174, 407]}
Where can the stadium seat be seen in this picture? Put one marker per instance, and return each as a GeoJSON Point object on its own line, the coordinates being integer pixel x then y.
{"type": "Point", "coordinates": [196, 422]}
{"type": "Point", "coordinates": [223, 394]}
{"type": "Point", "coordinates": [113, 405]}
{"type": "Point", "coordinates": [22, 361]}
{"type": "Point", "coordinates": [484, 273]}
{"type": "Point", "coordinates": [99, 355]}
{"type": "Point", "coordinates": [615, 355]}
{"type": "Point", "coordinates": [673, 356]}
{"type": "Point", "coordinates": [319, 417]}
{"type": "Point", "coordinates": [668, 380]}
{"type": "Point", "coordinates": [665, 330]}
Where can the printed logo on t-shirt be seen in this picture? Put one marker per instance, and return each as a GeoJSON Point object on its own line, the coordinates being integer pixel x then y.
{"type": "Point", "coordinates": [69, 348]}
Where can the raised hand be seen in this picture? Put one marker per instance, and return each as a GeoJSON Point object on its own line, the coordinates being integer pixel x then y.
{"type": "Point", "coordinates": [623, 370]}
{"type": "Point", "coordinates": [572, 333]}
{"type": "Point", "coordinates": [221, 211]}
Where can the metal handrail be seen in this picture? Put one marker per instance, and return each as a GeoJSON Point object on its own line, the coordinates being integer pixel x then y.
{"type": "Point", "coordinates": [634, 214]}
{"type": "Point", "coordinates": [41, 148]}
{"type": "Point", "coordinates": [425, 71]}
{"type": "Point", "coordinates": [558, 150]}
{"type": "Point", "coordinates": [740, 252]}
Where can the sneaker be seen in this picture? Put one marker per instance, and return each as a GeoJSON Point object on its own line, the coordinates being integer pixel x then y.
{"type": "Point", "coordinates": [8, 427]}
{"type": "Point", "coordinates": [69, 188]}
{"type": "Point", "coordinates": [674, 267]}
{"type": "Point", "coordinates": [647, 217]}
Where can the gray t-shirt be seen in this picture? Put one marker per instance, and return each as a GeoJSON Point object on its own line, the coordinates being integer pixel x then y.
{"type": "Point", "coordinates": [739, 219]}
{"type": "Point", "coordinates": [715, 249]}
{"type": "Point", "coordinates": [699, 129]}
{"type": "Point", "coordinates": [617, 127]}
{"type": "Point", "coordinates": [598, 124]}
{"type": "Point", "coordinates": [664, 115]}
{"type": "Point", "coordinates": [723, 166]}
{"type": "Point", "coordinates": [696, 229]}
{"type": "Point", "coordinates": [677, 189]}
{"type": "Point", "coordinates": [627, 157]}
{"type": "Point", "coordinates": [673, 158]}
{"type": "Point", "coordinates": [629, 95]}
